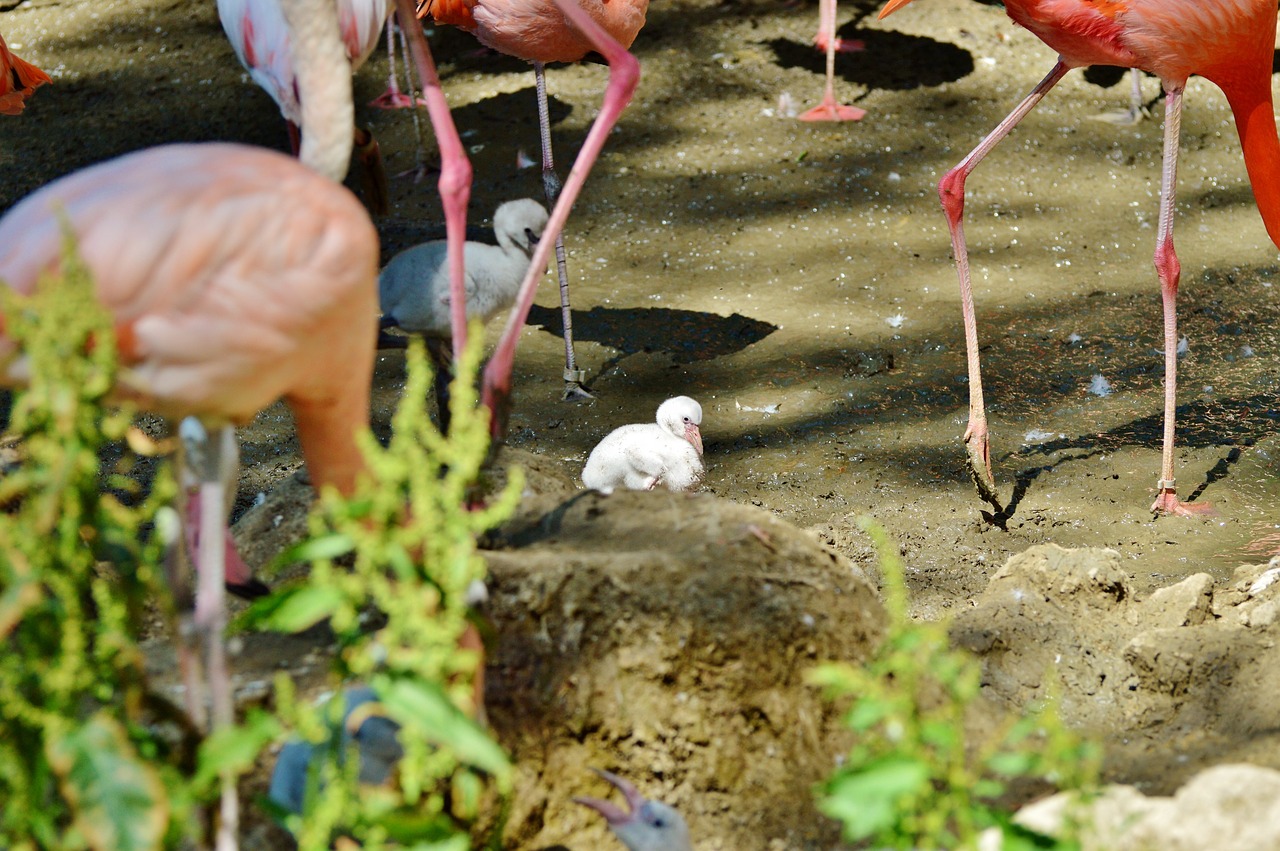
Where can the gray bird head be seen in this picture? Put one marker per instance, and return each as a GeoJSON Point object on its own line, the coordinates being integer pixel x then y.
{"type": "Point", "coordinates": [521, 222]}
{"type": "Point", "coordinates": [648, 826]}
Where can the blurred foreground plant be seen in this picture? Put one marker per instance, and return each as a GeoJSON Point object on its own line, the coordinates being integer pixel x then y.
{"type": "Point", "coordinates": [913, 779]}
{"type": "Point", "coordinates": [90, 757]}
{"type": "Point", "coordinates": [81, 762]}
{"type": "Point", "coordinates": [409, 536]}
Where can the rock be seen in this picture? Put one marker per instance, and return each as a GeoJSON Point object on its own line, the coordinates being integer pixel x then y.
{"type": "Point", "coordinates": [1188, 603]}
{"type": "Point", "coordinates": [1226, 808]}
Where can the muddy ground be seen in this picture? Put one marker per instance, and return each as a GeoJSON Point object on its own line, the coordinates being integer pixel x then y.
{"type": "Point", "coordinates": [795, 279]}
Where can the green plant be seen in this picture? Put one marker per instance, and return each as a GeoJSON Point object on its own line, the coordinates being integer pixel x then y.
{"type": "Point", "coordinates": [90, 756]}
{"type": "Point", "coordinates": [914, 779]}
{"type": "Point", "coordinates": [409, 538]}
{"type": "Point", "coordinates": [81, 762]}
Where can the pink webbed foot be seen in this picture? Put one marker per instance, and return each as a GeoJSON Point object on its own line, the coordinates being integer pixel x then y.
{"type": "Point", "coordinates": [842, 45]}
{"type": "Point", "coordinates": [1167, 502]}
{"type": "Point", "coordinates": [395, 99]}
{"type": "Point", "coordinates": [829, 110]}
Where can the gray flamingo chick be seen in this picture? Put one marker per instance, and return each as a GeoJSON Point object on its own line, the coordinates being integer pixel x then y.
{"type": "Point", "coordinates": [413, 289]}
{"type": "Point", "coordinates": [649, 826]}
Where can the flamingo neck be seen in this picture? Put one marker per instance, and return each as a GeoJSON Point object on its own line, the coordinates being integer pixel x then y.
{"type": "Point", "coordinates": [327, 431]}
{"type": "Point", "coordinates": [324, 85]}
{"type": "Point", "coordinates": [1256, 123]}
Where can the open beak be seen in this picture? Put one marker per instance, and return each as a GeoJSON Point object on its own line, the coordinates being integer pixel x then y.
{"type": "Point", "coordinates": [694, 436]}
{"type": "Point", "coordinates": [612, 813]}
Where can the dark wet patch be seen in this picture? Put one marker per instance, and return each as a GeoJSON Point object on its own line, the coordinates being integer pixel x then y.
{"type": "Point", "coordinates": [687, 335]}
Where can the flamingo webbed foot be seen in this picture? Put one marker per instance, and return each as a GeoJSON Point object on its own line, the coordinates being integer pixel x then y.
{"type": "Point", "coordinates": [1167, 502]}
{"type": "Point", "coordinates": [832, 111]}
{"type": "Point", "coordinates": [395, 99]}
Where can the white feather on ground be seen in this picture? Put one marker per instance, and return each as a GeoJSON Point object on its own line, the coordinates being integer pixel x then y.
{"type": "Point", "coordinates": [643, 456]}
{"type": "Point", "coordinates": [413, 289]}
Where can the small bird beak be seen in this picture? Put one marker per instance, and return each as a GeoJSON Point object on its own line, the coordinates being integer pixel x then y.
{"type": "Point", "coordinates": [612, 813]}
{"type": "Point", "coordinates": [694, 436]}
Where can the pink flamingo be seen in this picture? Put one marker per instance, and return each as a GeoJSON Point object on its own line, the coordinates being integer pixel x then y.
{"type": "Point", "coordinates": [18, 79]}
{"type": "Point", "coordinates": [542, 31]}
{"type": "Point", "coordinates": [1230, 43]}
{"type": "Point", "coordinates": [827, 40]}
{"type": "Point", "coordinates": [236, 276]}
{"type": "Point", "coordinates": [261, 39]}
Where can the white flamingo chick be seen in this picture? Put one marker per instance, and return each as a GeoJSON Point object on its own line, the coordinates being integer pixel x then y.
{"type": "Point", "coordinates": [642, 456]}
{"type": "Point", "coordinates": [413, 289]}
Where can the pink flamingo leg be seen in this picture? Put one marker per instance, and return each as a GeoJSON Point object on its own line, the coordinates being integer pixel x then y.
{"type": "Point", "coordinates": [573, 377]}
{"type": "Point", "coordinates": [624, 75]}
{"type": "Point", "coordinates": [830, 109]}
{"type": "Point", "coordinates": [1169, 270]}
{"type": "Point", "coordinates": [951, 192]}
{"type": "Point", "coordinates": [393, 98]}
{"type": "Point", "coordinates": [455, 171]}
{"type": "Point", "coordinates": [214, 467]}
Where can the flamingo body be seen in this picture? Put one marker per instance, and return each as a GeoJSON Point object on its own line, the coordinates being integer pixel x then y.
{"type": "Point", "coordinates": [236, 276]}
{"type": "Point", "coordinates": [18, 79]}
{"type": "Point", "coordinates": [1230, 43]}
{"type": "Point", "coordinates": [536, 30]}
{"type": "Point", "coordinates": [260, 38]}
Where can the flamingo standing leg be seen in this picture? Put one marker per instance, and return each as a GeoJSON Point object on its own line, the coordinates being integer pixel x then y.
{"type": "Point", "coordinates": [1169, 271]}
{"type": "Point", "coordinates": [829, 109]}
{"type": "Point", "coordinates": [951, 192]}
{"type": "Point", "coordinates": [393, 98]}
{"type": "Point", "coordinates": [624, 76]}
{"type": "Point", "coordinates": [573, 377]}
{"type": "Point", "coordinates": [455, 170]}
{"type": "Point", "coordinates": [213, 462]}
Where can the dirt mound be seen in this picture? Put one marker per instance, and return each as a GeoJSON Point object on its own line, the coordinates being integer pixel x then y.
{"type": "Point", "coordinates": [661, 636]}
{"type": "Point", "coordinates": [1186, 675]}
{"type": "Point", "coordinates": [665, 637]}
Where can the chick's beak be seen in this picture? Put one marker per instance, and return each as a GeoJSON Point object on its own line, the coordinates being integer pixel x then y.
{"type": "Point", "coordinates": [612, 813]}
{"type": "Point", "coordinates": [694, 436]}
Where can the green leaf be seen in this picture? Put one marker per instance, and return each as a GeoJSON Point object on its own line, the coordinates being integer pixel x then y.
{"type": "Point", "coordinates": [876, 797]}
{"type": "Point", "coordinates": [118, 800]}
{"type": "Point", "coordinates": [294, 609]}
{"type": "Point", "coordinates": [328, 546]}
{"type": "Point", "coordinates": [234, 749]}
{"type": "Point", "coordinates": [423, 707]}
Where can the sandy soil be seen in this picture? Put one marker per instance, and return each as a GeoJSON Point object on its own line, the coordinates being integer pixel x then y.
{"type": "Point", "coordinates": [796, 279]}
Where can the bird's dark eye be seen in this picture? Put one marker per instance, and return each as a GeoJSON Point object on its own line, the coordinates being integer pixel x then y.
{"type": "Point", "coordinates": [533, 237]}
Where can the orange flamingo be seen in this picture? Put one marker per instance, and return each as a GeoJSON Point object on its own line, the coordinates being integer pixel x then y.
{"type": "Point", "coordinates": [830, 109]}
{"type": "Point", "coordinates": [236, 276]}
{"type": "Point", "coordinates": [540, 31]}
{"type": "Point", "coordinates": [18, 79]}
{"type": "Point", "coordinates": [1228, 42]}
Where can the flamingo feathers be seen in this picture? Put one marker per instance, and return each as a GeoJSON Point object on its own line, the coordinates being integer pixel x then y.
{"type": "Point", "coordinates": [18, 80]}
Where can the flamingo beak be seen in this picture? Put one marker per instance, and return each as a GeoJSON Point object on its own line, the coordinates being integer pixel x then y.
{"type": "Point", "coordinates": [612, 813]}
{"type": "Point", "coordinates": [694, 436]}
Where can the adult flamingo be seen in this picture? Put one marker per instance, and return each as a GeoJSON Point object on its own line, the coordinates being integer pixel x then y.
{"type": "Point", "coordinates": [261, 39]}
{"type": "Point", "coordinates": [830, 109]}
{"type": "Point", "coordinates": [1228, 42]}
{"type": "Point", "coordinates": [236, 276]}
{"type": "Point", "coordinates": [541, 31]}
{"type": "Point", "coordinates": [18, 79]}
